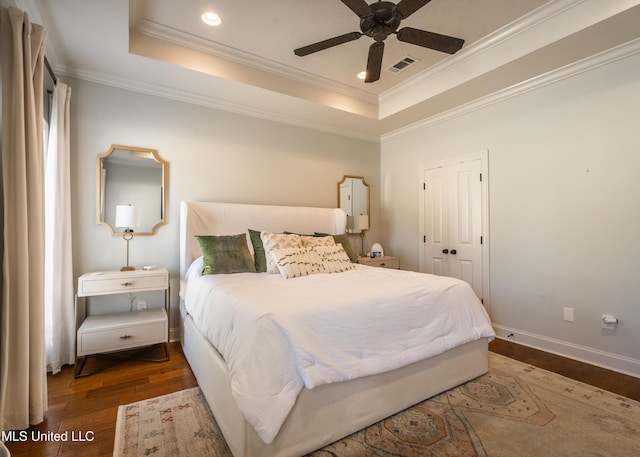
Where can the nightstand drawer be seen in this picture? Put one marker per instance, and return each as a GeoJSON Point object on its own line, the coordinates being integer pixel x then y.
{"type": "Point", "coordinates": [383, 262]}
{"type": "Point", "coordinates": [117, 283]}
{"type": "Point", "coordinates": [115, 332]}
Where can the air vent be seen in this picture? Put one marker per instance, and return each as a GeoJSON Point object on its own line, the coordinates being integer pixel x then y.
{"type": "Point", "coordinates": [403, 64]}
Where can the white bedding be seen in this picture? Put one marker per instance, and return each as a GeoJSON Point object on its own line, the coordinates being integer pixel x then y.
{"type": "Point", "coordinates": [279, 335]}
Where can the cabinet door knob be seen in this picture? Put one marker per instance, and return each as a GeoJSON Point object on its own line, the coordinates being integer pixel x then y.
{"type": "Point", "coordinates": [445, 251]}
{"type": "Point", "coordinates": [454, 252]}
{"type": "Point", "coordinates": [125, 337]}
{"type": "Point", "coordinates": [126, 284]}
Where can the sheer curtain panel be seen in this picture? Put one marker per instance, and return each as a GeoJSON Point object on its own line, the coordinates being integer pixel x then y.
{"type": "Point", "coordinates": [23, 381]}
{"type": "Point", "coordinates": [58, 270]}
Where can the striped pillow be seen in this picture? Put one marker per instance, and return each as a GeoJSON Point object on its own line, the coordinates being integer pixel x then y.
{"type": "Point", "coordinates": [312, 241]}
{"type": "Point", "coordinates": [278, 241]}
{"type": "Point", "coordinates": [297, 262]}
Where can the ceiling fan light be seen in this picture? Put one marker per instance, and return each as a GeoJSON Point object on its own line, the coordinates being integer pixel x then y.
{"type": "Point", "coordinates": [362, 75]}
{"type": "Point", "coordinates": [211, 18]}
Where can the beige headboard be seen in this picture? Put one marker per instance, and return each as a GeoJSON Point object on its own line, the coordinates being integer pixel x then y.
{"type": "Point", "coordinates": [208, 218]}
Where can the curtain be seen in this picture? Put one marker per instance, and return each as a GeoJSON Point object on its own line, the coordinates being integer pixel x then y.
{"type": "Point", "coordinates": [23, 381]}
{"type": "Point", "coordinates": [58, 269]}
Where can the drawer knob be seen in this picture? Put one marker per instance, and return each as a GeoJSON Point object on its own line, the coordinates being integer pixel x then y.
{"type": "Point", "coordinates": [382, 264]}
{"type": "Point", "coordinates": [125, 337]}
{"type": "Point", "coordinates": [126, 284]}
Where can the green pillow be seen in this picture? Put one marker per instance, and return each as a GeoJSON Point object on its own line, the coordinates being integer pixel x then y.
{"type": "Point", "coordinates": [225, 254]}
{"type": "Point", "coordinates": [260, 259]}
{"type": "Point", "coordinates": [346, 245]}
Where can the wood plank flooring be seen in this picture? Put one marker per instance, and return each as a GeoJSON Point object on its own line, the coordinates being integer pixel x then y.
{"type": "Point", "coordinates": [88, 406]}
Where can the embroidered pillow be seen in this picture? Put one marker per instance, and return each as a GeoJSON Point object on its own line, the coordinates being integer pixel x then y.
{"type": "Point", "coordinates": [225, 254]}
{"type": "Point", "coordinates": [303, 261]}
{"type": "Point", "coordinates": [272, 241]}
{"type": "Point", "coordinates": [334, 258]}
{"type": "Point", "coordinates": [309, 241]}
{"type": "Point", "coordinates": [296, 262]}
{"type": "Point", "coordinates": [346, 244]}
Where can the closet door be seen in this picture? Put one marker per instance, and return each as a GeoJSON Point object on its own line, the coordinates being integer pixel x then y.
{"type": "Point", "coordinates": [452, 216]}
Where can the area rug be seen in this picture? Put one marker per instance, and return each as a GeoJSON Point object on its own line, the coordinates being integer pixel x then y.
{"type": "Point", "coordinates": [513, 410]}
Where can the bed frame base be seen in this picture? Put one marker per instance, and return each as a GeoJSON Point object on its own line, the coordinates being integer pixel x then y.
{"type": "Point", "coordinates": [327, 413]}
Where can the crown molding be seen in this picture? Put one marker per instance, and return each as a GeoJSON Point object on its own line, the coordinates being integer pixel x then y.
{"type": "Point", "coordinates": [212, 102]}
{"type": "Point", "coordinates": [178, 37]}
{"type": "Point", "coordinates": [590, 63]}
{"type": "Point", "coordinates": [550, 23]}
{"type": "Point", "coordinates": [461, 58]}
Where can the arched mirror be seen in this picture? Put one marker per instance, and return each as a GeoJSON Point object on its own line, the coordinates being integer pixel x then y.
{"type": "Point", "coordinates": [128, 175]}
{"type": "Point", "coordinates": [353, 198]}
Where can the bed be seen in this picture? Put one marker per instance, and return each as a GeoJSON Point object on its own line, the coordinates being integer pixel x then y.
{"type": "Point", "coordinates": [309, 401]}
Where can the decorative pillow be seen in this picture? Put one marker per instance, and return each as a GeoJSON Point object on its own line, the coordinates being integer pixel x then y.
{"type": "Point", "coordinates": [225, 254]}
{"type": "Point", "coordinates": [296, 262]}
{"type": "Point", "coordinates": [312, 241]}
{"type": "Point", "coordinates": [278, 241]}
{"type": "Point", "coordinates": [303, 261]}
{"type": "Point", "coordinates": [346, 244]}
{"type": "Point", "coordinates": [334, 258]}
{"type": "Point", "coordinates": [259, 259]}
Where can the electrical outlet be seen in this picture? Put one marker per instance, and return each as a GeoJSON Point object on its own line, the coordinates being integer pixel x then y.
{"type": "Point", "coordinates": [142, 304]}
{"type": "Point", "coordinates": [609, 322]}
{"type": "Point", "coordinates": [568, 314]}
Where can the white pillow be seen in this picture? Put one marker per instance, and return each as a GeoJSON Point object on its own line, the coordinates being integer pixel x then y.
{"type": "Point", "coordinates": [296, 262]}
{"type": "Point", "coordinates": [272, 241]}
{"type": "Point", "coordinates": [334, 258]}
{"type": "Point", "coordinates": [303, 261]}
{"type": "Point", "coordinates": [311, 241]}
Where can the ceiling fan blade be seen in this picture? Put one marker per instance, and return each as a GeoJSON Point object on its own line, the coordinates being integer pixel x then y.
{"type": "Point", "coordinates": [430, 40]}
{"type": "Point", "coordinates": [374, 62]}
{"type": "Point", "coordinates": [407, 7]}
{"type": "Point", "coordinates": [359, 7]}
{"type": "Point", "coordinates": [325, 44]}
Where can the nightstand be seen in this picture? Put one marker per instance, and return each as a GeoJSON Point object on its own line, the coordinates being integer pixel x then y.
{"type": "Point", "coordinates": [107, 334]}
{"type": "Point", "coordinates": [383, 262]}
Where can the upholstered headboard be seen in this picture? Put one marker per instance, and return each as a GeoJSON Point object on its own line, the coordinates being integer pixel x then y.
{"type": "Point", "coordinates": [208, 218]}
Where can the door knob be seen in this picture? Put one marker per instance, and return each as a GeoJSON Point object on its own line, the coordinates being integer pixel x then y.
{"type": "Point", "coordinates": [445, 251]}
{"type": "Point", "coordinates": [453, 251]}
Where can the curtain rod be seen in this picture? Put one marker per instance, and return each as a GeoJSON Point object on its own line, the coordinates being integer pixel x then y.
{"type": "Point", "coordinates": [50, 70]}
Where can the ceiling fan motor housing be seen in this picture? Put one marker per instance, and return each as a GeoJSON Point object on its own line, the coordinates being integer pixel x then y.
{"type": "Point", "coordinates": [382, 22]}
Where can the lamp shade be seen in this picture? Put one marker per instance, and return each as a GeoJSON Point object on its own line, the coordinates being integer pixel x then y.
{"type": "Point", "coordinates": [127, 216]}
{"type": "Point", "coordinates": [361, 222]}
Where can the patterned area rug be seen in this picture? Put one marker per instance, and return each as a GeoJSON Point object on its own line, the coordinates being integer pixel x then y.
{"type": "Point", "coordinates": [514, 410]}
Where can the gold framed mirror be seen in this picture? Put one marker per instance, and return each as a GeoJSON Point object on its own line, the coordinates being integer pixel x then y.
{"type": "Point", "coordinates": [353, 198]}
{"type": "Point", "coordinates": [129, 175]}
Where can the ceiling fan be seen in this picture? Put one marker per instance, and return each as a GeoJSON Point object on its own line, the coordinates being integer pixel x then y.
{"type": "Point", "coordinates": [378, 21]}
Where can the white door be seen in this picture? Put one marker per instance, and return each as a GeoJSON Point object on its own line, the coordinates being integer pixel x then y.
{"type": "Point", "coordinates": [452, 216]}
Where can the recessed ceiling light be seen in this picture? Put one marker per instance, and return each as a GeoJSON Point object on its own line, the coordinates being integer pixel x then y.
{"type": "Point", "coordinates": [211, 18]}
{"type": "Point", "coordinates": [362, 75]}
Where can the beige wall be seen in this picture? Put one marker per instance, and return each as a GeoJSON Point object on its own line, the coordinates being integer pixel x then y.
{"type": "Point", "coordinates": [564, 164]}
{"type": "Point", "coordinates": [212, 155]}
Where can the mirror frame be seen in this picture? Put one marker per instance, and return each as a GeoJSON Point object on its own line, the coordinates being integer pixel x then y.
{"type": "Point", "coordinates": [164, 164]}
{"type": "Point", "coordinates": [366, 185]}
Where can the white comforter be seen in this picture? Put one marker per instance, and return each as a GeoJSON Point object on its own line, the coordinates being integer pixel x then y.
{"type": "Point", "coordinates": [280, 335]}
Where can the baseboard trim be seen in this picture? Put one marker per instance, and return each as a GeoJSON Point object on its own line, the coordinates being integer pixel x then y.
{"type": "Point", "coordinates": [610, 361]}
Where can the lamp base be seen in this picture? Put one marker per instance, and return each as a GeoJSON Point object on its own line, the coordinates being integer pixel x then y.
{"type": "Point", "coordinates": [127, 268]}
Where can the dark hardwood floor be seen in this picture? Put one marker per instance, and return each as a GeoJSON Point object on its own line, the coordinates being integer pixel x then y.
{"type": "Point", "coordinates": [612, 381]}
{"type": "Point", "coordinates": [88, 406]}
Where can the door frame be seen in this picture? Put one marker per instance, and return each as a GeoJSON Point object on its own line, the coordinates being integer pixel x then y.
{"type": "Point", "coordinates": [483, 156]}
